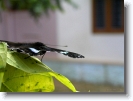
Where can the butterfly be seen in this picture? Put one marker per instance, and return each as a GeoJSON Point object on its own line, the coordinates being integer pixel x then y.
{"type": "Point", "coordinates": [38, 48]}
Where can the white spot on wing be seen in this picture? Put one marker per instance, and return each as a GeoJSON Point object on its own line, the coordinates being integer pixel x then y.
{"type": "Point", "coordinates": [34, 50]}
{"type": "Point", "coordinates": [64, 52]}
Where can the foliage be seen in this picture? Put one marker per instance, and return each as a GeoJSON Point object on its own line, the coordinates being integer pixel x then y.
{"type": "Point", "coordinates": [35, 7]}
{"type": "Point", "coordinates": [18, 74]}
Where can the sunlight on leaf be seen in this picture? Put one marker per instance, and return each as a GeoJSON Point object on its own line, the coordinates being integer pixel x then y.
{"type": "Point", "coordinates": [30, 65]}
{"type": "Point", "coordinates": [16, 80]}
{"type": "Point", "coordinates": [63, 80]}
{"type": "Point", "coordinates": [3, 55]}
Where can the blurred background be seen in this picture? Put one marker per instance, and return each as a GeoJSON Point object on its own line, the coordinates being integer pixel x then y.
{"type": "Point", "coordinates": [93, 28]}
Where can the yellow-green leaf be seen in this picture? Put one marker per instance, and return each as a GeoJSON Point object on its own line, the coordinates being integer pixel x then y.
{"type": "Point", "coordinates": [3, 55]}
{"type": "Point", "coordinates": [16, 80]}
{"type": "Point", "coordinates": [30, 65]}
{"type": "Point", "coordinates": [63, 80]}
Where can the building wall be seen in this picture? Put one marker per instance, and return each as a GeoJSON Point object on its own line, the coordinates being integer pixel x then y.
{"type": "Point", "coordinates": [19, 26]}
{"type": "Point", "coordinates": [74, 28]}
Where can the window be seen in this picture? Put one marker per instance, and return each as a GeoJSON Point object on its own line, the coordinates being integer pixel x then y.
{"type": "Point", "coordinates": [108, 16]}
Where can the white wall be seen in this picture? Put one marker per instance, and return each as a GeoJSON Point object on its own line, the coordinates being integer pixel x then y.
{"type": "Point", "coordinates": [74, 28]}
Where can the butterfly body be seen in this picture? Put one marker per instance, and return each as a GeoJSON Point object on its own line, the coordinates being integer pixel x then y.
{"type": "Point", "coordinates": [38, 48]}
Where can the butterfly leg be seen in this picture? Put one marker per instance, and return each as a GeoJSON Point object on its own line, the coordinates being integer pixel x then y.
{"type": "Point", "coordinates": [42, 53]}
{"type": "Point", "coordinates": [42, 57]}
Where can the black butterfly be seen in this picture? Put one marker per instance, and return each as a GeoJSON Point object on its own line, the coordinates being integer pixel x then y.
{"type": "Point", "coordinates": [38, 48]}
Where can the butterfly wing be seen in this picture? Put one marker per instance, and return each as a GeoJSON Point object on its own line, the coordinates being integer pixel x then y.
{"type": "Point", "coordinates": [64, 52]}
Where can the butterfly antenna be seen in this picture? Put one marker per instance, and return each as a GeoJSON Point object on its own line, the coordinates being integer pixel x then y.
{"type": "Point", "coordinates": [57, 45]}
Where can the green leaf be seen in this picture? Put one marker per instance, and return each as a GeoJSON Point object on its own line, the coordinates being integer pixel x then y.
{"type": "Point", "coordinates": [5, 89]}
{"type": "Point", "coordinates": [30, 64]}
{"type": "Point", "coordinates": [58, 3]}
{"type": "Point", "coordinates": [63, 80]}
{"type": "Point", "coordinates": [16, 80]}
{"type": "Point", "coordinates": [3, 55]}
